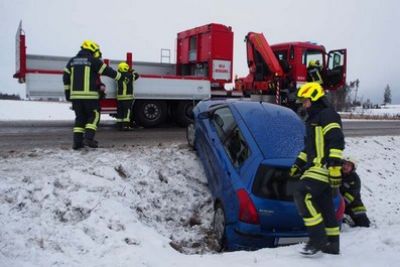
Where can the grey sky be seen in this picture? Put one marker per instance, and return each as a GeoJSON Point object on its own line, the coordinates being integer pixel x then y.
{"type": "Point", "coordinates": [366, 28]}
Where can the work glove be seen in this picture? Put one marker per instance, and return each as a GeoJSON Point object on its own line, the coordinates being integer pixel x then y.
{"type": "Point", "coordinates": [335, 176]}
{"type": "Point", "coordinates": [295, 171]}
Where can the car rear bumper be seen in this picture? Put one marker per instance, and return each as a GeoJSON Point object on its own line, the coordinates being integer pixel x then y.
{"type": "Point", "coordinates": [249, 237]}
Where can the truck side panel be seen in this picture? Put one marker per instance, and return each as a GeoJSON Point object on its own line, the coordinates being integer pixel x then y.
{"type": "Point", "coordinates": [42, 85]}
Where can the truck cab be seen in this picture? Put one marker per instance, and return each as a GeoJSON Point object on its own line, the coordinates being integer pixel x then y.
{"type": "Point", "coordinates": [278, 70]}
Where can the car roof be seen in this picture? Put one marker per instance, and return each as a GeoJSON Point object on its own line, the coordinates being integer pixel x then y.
{"type": "Point", "coordinates": [277, 130]}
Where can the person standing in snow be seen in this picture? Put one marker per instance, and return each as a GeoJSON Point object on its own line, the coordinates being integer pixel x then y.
{"type": "Point", "coordinates": [350, 190]}
{"type": "Point", "coordinates": [319, 168]}
{"type": "Point", "coordinates": [79, 78]}
{"type": "Point", "coordinates": [125, 95]}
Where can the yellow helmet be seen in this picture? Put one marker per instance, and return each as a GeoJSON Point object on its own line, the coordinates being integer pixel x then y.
{"type": "Point", "coordinates": [90, 45]}
{"type": "Point", "coordinates": [312, 90]}
{"type": "Point", "coordinates": [123, 67]}
{"type": "Point", "coordinates": [313, 63]}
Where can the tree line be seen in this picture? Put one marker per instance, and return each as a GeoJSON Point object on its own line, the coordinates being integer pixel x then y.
{"type": "Point", "coordinates": [343, 99]}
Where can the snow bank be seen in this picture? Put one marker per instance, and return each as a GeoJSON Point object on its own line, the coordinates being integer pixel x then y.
{"type": "Point", "coordinates": [139, 206]}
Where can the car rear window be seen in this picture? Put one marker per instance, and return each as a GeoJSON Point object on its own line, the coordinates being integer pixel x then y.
{"type": "Point", "coordinates": [274, 183]}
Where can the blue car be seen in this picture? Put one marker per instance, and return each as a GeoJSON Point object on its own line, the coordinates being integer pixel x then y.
{"type": "Point", "coordinates": [247, 149]}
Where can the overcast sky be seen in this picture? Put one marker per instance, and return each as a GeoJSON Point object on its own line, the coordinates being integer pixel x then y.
{"type": "Point", "coordinates": [366, 28]}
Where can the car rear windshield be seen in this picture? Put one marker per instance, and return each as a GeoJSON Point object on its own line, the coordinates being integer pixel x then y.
{"type": "Point", "coordinates": [273, 183]}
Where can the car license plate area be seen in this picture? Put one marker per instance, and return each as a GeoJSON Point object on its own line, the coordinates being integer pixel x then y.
{"type": "Point", "coordinates": [282, 241]}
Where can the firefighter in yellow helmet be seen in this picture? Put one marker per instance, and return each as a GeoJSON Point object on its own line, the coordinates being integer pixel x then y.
{"type": "Point", "coordinates": [319, 168]}
{"type": "Point", "coordinates": [314, 72]}
{"type": "Point", "coordinates": [125, 95]}
{"type": "Point", "coordinates": [80, 80]}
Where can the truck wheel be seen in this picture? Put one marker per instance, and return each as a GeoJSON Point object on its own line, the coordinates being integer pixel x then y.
{"type": "Point", "coordinates": [219, 227]}
{"type": "Point", "coordinates": [184, 113]}
{"type": "Point", "coordinates": [150, 113]}
{"type": "Point", "coordinates": [190, 135]}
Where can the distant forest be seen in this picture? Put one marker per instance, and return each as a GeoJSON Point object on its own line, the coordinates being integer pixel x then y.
{"type": "Point", "coordinates": [9, 97]}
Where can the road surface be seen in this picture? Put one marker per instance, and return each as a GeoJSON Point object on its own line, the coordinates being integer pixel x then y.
{"type": "Point", "coordinates": [16, 135]}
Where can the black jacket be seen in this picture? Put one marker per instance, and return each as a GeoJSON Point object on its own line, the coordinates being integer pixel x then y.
{"type": "Point", "coordinates": [125, 87]}
{"type": "Point", "coordinates": [81, 74]}
{"type": "Point", "coordinates": [324, 141]}
{"type": "Point", "coordinates": [350, 188]}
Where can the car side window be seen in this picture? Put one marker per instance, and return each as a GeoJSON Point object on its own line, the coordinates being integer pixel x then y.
{"type": "Point", "coordinates": [237, 148]}
{"type": "Point", "coordinates": [230, 135]}
{"type": "Point", "coordinates": [224, 122]}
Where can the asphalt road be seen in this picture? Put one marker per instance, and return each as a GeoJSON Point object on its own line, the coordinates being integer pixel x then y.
{"type": "Point", "coordinates": [19, 135]}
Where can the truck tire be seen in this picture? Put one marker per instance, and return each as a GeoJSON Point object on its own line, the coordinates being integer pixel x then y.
{"type": "Point", "coordinates": [150, 113]}
{"type": "Point", "coordinates": [183, 114]}
{"type": "Point", "coordinates": [219, 227]}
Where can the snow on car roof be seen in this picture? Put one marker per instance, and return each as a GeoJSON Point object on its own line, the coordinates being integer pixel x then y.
{"type": "Point", "coordinates": [277, 130]}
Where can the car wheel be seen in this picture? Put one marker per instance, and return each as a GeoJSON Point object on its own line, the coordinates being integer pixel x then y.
{"type": "Point", "coordinates": [190, 135]}
{"type": "Point", "coordinates": [150, 113]}
{"type": "Point", "coordinates": [219, 227]}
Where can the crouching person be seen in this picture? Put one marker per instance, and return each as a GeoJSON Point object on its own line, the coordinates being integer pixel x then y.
{"type": "Point", "coordinates": [350, 190]}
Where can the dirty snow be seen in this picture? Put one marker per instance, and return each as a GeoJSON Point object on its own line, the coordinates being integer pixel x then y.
{"type": "Point", "coordinates": [149, 206]}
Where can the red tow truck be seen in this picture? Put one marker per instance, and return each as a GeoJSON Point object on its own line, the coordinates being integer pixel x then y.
{"type": "Point", "coordinates": [204, 65]}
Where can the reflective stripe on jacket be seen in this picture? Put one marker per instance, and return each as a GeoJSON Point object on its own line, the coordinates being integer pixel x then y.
{"type": "Point", "coordinates": [125, 86]}
{"type": "Point", "coordinates": [81, 74]}
{"type": "Point", "coordinates": [324, 144]}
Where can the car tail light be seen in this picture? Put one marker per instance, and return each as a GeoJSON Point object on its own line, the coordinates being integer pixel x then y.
{"type": "Point", "coordinates": [340, 210]}
{"type": "Point", "coordinates": [247, 210]}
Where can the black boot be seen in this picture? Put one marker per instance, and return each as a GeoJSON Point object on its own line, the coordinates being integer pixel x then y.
{"type": "Point", "coordinates": [78, 144]}
{"type": "Point", "coordinates": [310, 250]}
{"type": "Point", "coordinates": [318, 240]}
{"type": "Point", "coordinates": [333, 246]}
{"type": "Point", "coordinates": [90, 143]}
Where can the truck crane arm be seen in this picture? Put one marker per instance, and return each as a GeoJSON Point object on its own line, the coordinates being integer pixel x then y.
{"type": "Point", "coordinates": [260, 54]}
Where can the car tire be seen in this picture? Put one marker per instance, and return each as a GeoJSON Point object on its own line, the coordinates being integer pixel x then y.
{"type": "Point", "coordinates": [219, 227]}
{"type": "Point", "coordinates": [183, 114]}
{"type": "Point", "coordinates": [190, 135]}
{"type": "Point", "coordinates": [150, 113]}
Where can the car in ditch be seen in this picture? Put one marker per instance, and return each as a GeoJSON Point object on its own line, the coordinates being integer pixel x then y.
{"type": "Point", "coordinates": [247, 149]}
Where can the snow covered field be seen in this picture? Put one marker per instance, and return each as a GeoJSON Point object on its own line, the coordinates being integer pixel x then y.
{"type": "Point", "coordinates": [385, 112]}
{"type": "Point", "coordinates": [141, 205]}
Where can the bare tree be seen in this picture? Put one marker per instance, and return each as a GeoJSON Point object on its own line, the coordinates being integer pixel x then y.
{"type": "Point", "coordinates": [341, 99]}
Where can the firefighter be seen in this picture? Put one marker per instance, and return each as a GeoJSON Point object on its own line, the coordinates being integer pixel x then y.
{"type": "Point", "coordinates": [319, 168]}
{"type": "Point", "coordinates": [125, 95]}
{"type": "Point", "coordinates": [80, 84]}
{"type": "Point", "coordinates": [314, 72]}
{"type": "Point", "coordinates": [350, 190]}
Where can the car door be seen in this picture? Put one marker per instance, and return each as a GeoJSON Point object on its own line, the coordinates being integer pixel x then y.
{"type": "Point", "coordinates": [336, 69]}
{"type": "Point", "coordinates": [222, 123]}
{"type": "Point", "coordinates": [234, 153]}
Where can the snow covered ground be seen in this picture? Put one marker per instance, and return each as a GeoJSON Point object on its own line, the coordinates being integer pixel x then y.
{"type": "Point", "coordinates": [12, 110]}
{"type": "Point", "coordinates": [149, 206]}
{"type": "Point", "coordinates": [385, 112]}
